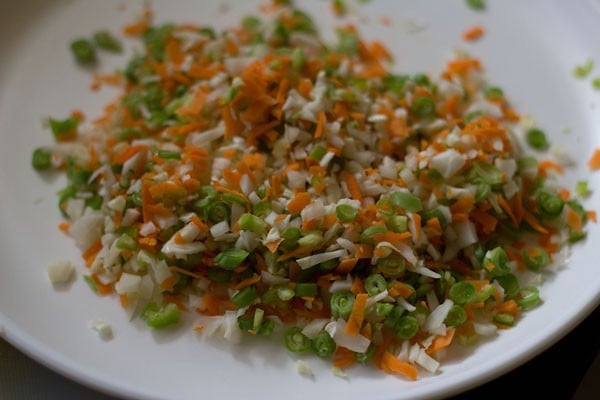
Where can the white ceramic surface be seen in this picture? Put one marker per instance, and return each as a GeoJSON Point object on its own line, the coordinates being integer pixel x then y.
{"type": "Point", "coordinates": [529, 49]}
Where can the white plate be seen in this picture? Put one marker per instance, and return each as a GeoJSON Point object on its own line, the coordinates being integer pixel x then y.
{"type": "Point", "coordinates": [529, 49]}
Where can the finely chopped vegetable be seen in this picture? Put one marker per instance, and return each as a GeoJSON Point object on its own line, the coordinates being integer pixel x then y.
{"type": "Point", "coordinates": [263, 182]}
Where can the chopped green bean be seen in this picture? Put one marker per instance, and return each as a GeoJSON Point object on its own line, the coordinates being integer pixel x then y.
{"type": "Point", "coordinates": [323, 345]}
{"type": "Point", "coordinates": [295, 341]}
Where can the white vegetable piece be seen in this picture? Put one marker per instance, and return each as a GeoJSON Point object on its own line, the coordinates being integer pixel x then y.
{"type": "Point", "coordinates": [60, 271]}
{"type": "Point", "coordinates": [304, 369]}
{"type": "Point", "coordinates": [103, 328]}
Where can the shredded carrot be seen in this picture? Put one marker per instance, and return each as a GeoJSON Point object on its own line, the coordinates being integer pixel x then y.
{"type": "Point", "coordinates": [357, 315]}
{"type": "Point", "coordinates": [297, 204]}
{"type": "Point", "coordinates": [247, 282]}
{"type": "Point", "coordinates": [352, 185]}
{"type": "Point", "coordinates": [594, 161]}
{"type": "Point", "coordinates": [441, 342]}
{"type": "Point", "coordinates": [473, 33]}
{"type": "Point", "coordinates": [547, 165]}
{"type": "Point", "coordinates": [574, 220]}
{"type": "Point", "coordinates": [390, 363]}
{"type": "Point", "coordinates": [321, 119]}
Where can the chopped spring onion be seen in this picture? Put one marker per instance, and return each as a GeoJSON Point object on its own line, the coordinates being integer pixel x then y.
{"type": "Point", "coordinates": [84, 52]}
{"type": "Point", "coordinates": [231, 258]}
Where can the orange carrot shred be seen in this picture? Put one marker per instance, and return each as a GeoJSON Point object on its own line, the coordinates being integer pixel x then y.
{"type": "Point", "coordinates": [594, 161]}
{"type": "Point", "coordinates": [473, 33]}
{"type": "Point", "coordinates": [357, 315]}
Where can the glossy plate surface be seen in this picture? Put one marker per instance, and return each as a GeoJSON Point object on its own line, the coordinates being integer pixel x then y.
{"type": "Point", "coordinates": [529, 49]}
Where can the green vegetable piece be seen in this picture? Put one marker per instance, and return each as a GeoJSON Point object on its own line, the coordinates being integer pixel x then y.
{"type": "Point", "coordinates": [298, 59]}
{"type": "Point", "coordinates": [346, 213]}
{"type": "Point", "coordinates": [133, 68]}
{"type": "Point", "coordinates": [550, 204]}
{"type": "Point", "coordinates": [536, 258]}
{"type": "Point", "coordinates": [383, 309]}
{"type": "Point", "coordinates": [582, 189]}
{"type": "Point", "coordinates": [393, 317]}
{"type": "Point", "coordinates": [456, 316]}
{"type": "Point", "coordinates": [477, 5]}
{"type": "Point", "coordinates": [160, 317]}
{"type": "Point", "coordinates": [252, 223]}
{"type": "Point", "coordinates": [155, 39]}
{"type": "Point", "coordinates": [106, 41]}
{"type": "Point", "coordinates": [367, 356]}
{"type": "Point", "coordinates": [341, 304]}
{"type": "Point", "coordinates": [406, 201]}
{"type": "Point", "coordinates": [305, 289]}
{"type": "Point", "coordinates": [473, 115]}
{"type": "Point", "coordinates": [504, 319]}
{"type": "Point", "coordinates": [62, 129]}
{"type": "Point", "coordinates": [218, 211]}
{"type": "Point", "coordinates": [91, 283]}
{"type": "Point", "coordinates": [398, 223]}
{"type": "Point", "coordinates": [65, 194]}
{"type": "Point", "coordinates": [317, 152]}
{"type": "Point", "coordinates": [421, 79]}
{"type": "Point", "coordinates": [266, 327]}
{"type": "Point", "coordinates": [168, 154]}
{"type": "Point", "coordinates": [583, 70]}
{"type": "Point", "coordinates": [245, 323]}
{"type": "Point", "coordinates": [219, 275]}
{"type": "Point", "coordinates": [251, 23]}
{"type": "Point", "coordinates": [436, 213]}
{"type": "Point", "coordinates": [340, 7]}
{"type": "Point", "coordinates": [126, 242]}
{"type": "Point", "coordinates": [368, 233]}
{"type": "Point", "coordinates": [285, 293]}
{"type": "Point", "coordinates": [231, 258]}
{"type": "Point", "coordinates": [395, 83]}
{"type": "Point", "coordinates": [510, 284]}
{"type": "Point", "coordinates": [596, 83]}
{"type": "Point", "coordinates": [392, 266]}
{"type": "Point", "coordinates": [94, 202]}
{"type": "Point", "coordinates": [493, 93]}
{"type": "Point", "coordinates": [311, 239]}
{"type": "Point", "coordinates": [295, 341]}
{"type": "Point", "coordinates": [84, 52]}
{"type": "Point", "coordinates": [323, 345]}
{"type": "Point", "coordinates": [462, 292]}
{"type": "Point", "coordinates": [375, 284]}
{"type": "Point", "coordinates": [486, 173]}
{"type": "Point", "coordinates": [407, 327]}
{"type": "Point", "coordinates": [245, 297]}
{"type": "Point", "coordinates": [496, 262]}
{"type": "Point", "coordinates": [41, 159]}
{"type": "Point", "coordinates": [536, 138]}
{"type": "Point", "coordinates": [529, 298]}
{"type": "Point", "coordinates": [348, 42]}
{"type": "Point", "coordinates": [230, 94]}
{"type": "Point", "coordinates": [423, 107]}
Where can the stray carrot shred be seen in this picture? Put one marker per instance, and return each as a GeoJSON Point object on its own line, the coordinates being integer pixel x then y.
{"type": "Point", "coordinates": [473, 33]}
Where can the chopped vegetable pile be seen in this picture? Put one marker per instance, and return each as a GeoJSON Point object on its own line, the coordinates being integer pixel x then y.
{"type": "Point", "coordinates": [261, 181]}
